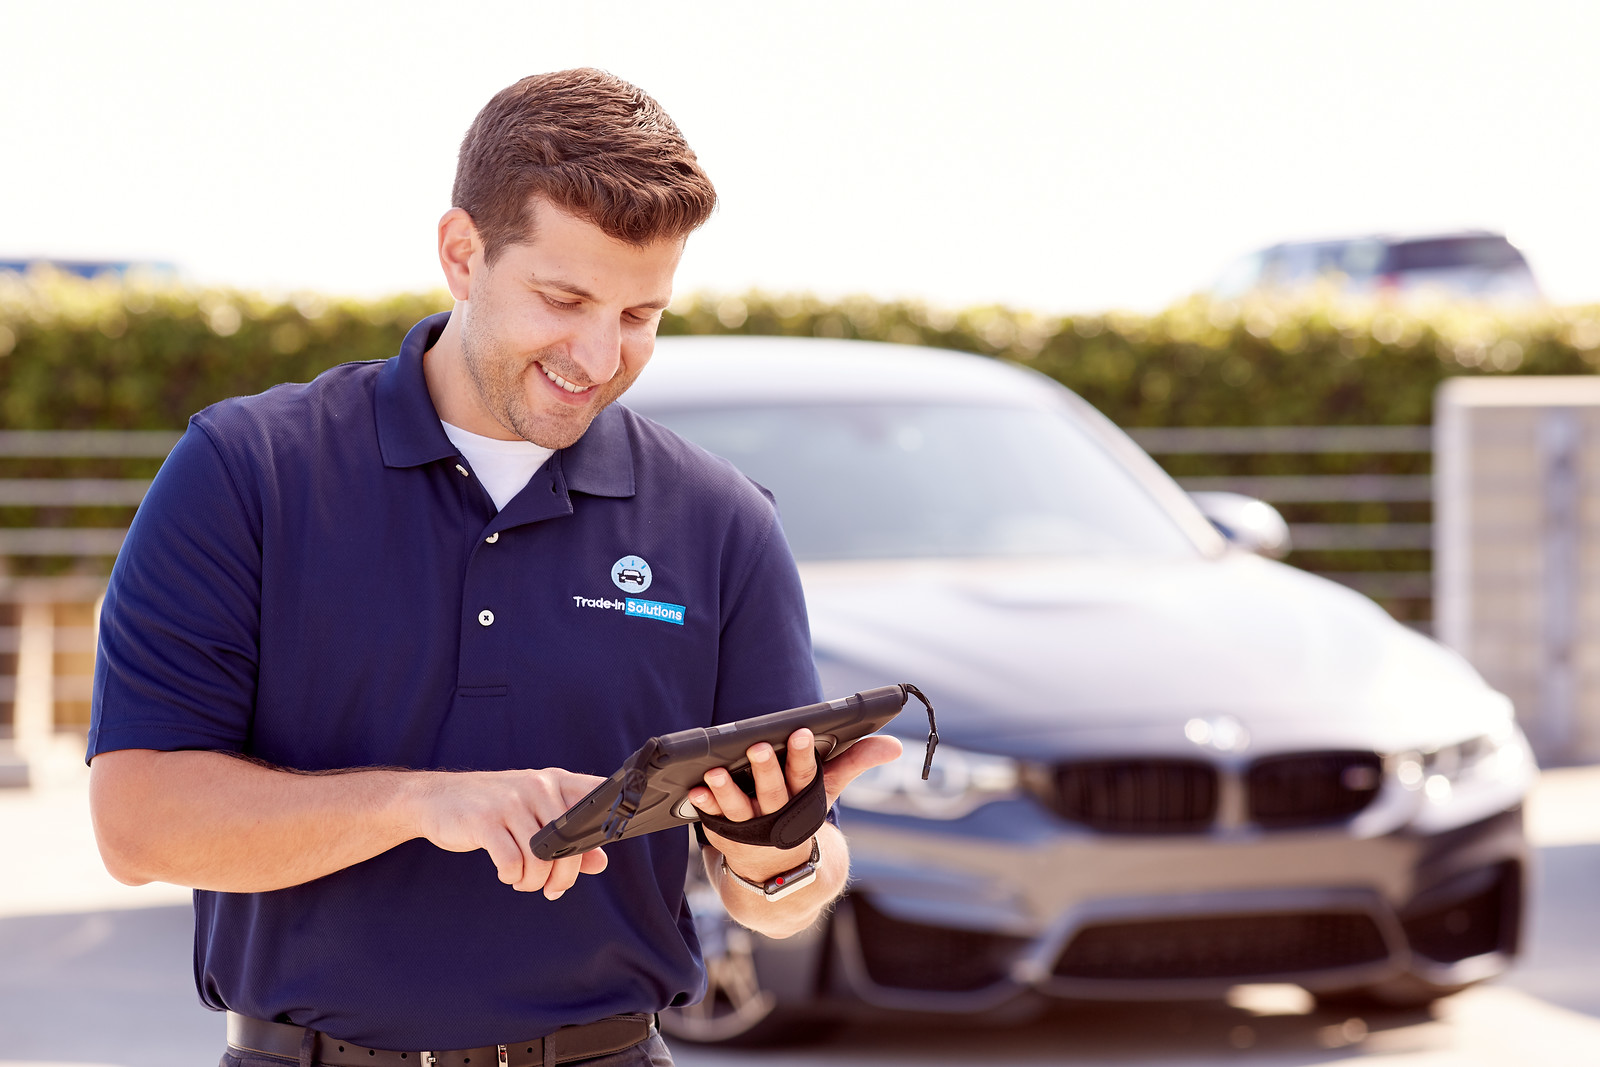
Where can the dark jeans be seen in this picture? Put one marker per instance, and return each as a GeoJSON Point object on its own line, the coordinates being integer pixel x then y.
{"type": "Point", "coordinates": [652, 1053]}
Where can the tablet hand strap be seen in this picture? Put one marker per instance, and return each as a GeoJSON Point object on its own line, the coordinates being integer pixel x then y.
{"type": "Point", "coordinates": [789, 827]}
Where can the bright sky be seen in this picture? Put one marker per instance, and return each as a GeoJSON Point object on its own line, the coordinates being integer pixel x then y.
{"type": "Point", "coordinates": [1060, 156]}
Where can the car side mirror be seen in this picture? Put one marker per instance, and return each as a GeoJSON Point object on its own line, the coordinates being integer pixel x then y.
{"type": "Point", "coordinates": [1251, 524]}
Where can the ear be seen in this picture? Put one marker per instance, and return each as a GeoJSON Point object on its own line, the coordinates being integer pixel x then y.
{"type": "Point", "coordinates": [460, 252]}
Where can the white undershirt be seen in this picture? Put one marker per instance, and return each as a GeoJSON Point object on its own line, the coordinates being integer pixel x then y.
{"type": "Point", "coordinates": [504, 467]}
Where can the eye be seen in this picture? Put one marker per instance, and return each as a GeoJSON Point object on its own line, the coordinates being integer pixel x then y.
{"type": "Point", "coordinates": [564, 305]}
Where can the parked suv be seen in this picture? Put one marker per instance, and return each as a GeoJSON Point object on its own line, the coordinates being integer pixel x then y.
{"type": "Point", "coordinates": [1470, 265]}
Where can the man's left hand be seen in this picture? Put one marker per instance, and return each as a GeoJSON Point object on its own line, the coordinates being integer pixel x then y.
{"type": "Point", "coordinates": [775, 783]}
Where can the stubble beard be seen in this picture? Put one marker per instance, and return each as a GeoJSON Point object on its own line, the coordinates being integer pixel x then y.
{"type": "Point", "coordinates": [499, 376]}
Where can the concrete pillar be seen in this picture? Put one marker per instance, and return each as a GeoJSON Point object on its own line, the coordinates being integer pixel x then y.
{"type": "Point", "coordinates": [34, 708]}
{"type": "Point", "coordinates": [1517, 548]}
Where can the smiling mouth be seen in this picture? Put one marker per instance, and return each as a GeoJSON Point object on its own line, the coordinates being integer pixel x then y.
{"type": "Point", "coordinates": [563, 383]}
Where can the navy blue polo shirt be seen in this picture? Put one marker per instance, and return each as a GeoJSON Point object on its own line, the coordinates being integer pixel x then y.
{"type": "Point", "coordinates": [317, 579]}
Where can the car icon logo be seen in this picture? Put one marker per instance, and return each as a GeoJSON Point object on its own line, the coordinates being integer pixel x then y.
{"type": "Point", "coordinates": [631, 574]}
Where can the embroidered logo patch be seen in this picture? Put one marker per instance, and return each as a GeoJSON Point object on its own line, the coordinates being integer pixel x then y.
{"type": "Point", "coordinates": [597, 602]}
{"type": "Point", "coordinates": [654, 609]}
{"type": "Point", "coordinates": [631, 574]}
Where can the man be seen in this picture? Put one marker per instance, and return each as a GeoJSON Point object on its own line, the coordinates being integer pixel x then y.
{"type": "Point", "coordinates": [351, 614]}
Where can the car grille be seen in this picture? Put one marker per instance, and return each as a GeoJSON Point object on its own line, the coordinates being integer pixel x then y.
{"type": "Point", "coordinates": [1310, 788]}
{"type": "Point", "coordinates": [1136, 796]}
{"type": "Point", "coordinates": [907, 955]}
{"type": "Point", "coordinates": [1229, 946]}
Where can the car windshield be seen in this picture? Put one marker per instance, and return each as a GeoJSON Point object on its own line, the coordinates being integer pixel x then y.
{"type": "Point", "coordinates": [874, 481]}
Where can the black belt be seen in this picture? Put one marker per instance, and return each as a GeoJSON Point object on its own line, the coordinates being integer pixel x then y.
{"type": "Point", "coordinates": [601, 1038]}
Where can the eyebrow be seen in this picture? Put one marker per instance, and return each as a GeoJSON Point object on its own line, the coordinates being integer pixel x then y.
{"type": "Point", "coordinates": [580, 291]}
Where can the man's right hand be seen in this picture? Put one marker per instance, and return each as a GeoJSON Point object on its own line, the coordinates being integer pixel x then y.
{"type": "Point", "coordinates": [499, 812]}
{"type": "Point", "coordinates": [210, 820]}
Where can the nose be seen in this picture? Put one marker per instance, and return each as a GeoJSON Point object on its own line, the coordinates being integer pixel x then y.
{"type": "Point", "coordinates": [597, 350]}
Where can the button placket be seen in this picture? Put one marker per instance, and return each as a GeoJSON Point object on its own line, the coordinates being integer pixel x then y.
{"type": "Point", "coordinates": [486, 595]}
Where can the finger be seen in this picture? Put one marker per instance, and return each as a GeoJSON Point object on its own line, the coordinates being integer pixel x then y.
{"type": "Point", "coordinates": [800, 766]}
{"type": "Point", "coordinates": [549, 797]}
{"type": "Point", "coordinates": [593, 861]}
{"type": "Point", "coordinates": [772, 792]}
{"type": "Point", "coordinates": [563, 873]}
{"type": "Point", "coordinates": [507, 854]}
{"type": "Point", "coordinates": [546, 799]}
{"type": "Point", "coordinates": [865, 754]}
{"type": "Point", "coordinates": [703, 799]}
{"type": "Point", "coordinates": [574, 787]}
{"type": "Point", "coordinates": [730, 798]}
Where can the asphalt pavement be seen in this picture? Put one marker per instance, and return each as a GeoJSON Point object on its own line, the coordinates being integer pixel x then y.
{"type": "Point", "coordinates": [94, 972]}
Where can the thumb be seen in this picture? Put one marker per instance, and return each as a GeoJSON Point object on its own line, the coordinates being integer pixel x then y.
{"type": "Point", "coordinates": [865, 754]}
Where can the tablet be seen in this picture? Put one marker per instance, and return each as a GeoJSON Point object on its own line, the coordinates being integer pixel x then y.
{"type": "Point", "coordinates": [650, 791]}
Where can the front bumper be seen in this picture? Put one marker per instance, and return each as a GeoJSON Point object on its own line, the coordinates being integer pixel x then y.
{"type": "Point", "coordinates": [966, 922]}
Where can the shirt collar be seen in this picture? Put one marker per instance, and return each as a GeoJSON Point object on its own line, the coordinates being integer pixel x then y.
{"type": "Point", "coordinates": [600, 462]}
{"type": "Point", "coordinates": [410, 434]}
{"type": "Point", "coordinates": [409, 431]}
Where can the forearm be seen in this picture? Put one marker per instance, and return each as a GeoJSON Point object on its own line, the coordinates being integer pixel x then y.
{"type": "Point", "coordinates": [212, 821]}
{"type": "Point", "coordinates": [799, 910]}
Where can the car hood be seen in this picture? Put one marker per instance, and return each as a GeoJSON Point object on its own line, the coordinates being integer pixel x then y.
{"type": "Point", "coordinates": [1045, 657]}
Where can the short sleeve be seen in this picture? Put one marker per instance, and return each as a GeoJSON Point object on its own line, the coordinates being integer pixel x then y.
{"type": "Point", "coordinates": [764, 658]}
{"type": "Point", "coordinates": [180, 625]}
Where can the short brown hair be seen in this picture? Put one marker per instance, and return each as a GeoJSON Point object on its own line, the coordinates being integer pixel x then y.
{"type": "Point", "coordinates": [590, 143]}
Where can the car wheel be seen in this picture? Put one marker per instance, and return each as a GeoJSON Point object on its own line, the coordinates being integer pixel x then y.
{"type": "Point", "coordinates": [738, 1008]}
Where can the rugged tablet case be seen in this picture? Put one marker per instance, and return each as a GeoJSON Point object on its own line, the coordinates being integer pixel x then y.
{"type": "Point", "coordinates": [650, 791]}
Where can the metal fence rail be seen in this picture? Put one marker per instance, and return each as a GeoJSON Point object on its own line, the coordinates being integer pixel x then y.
{"type": "Point", "coordinates": [72, 492]}
{"type": "Point", "coordinates": [45, 623]}
{"type": "Point", "coordinates": [78, 444]}
{"type": "Point", "coordinates": [1320, 488]}
{"type": "Point", "coordinates": [1222, 440]}
{"type": "Point", "coordinates": [1313, 441]}
{"type": "Point", "coordinates": [47, 636]}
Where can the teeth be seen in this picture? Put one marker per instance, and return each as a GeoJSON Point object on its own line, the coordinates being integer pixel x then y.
{"type": "Point", "coordinates": [559, 380]}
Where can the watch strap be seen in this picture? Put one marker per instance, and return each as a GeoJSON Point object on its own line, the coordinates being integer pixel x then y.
{"type": "Point", "coordinates": [783, 883]}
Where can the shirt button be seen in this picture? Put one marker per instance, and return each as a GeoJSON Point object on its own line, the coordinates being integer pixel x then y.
{"type": "Point", "coordinates": [492, 538]}
{"type": "Point", "coordinates": [485, 617]}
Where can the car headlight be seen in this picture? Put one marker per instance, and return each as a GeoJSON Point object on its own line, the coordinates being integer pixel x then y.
{"type": "Point", "coordinates": [1493, 757]}
{"type": "Point", "coordinates": [959, 783]}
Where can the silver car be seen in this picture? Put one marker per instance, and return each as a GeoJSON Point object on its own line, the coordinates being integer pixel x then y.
{"type": "Point", "coordinates": [1170, 766]}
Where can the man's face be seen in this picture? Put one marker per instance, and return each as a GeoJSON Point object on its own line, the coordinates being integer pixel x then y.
{"type": "Point", "coordinates": [559, 327]}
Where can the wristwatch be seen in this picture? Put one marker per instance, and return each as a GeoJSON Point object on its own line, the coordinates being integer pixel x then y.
{"type": "Point", "coordinates": [780, 885]}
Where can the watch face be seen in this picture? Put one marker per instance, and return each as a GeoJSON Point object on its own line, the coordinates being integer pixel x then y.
{"type": "Point", "coordinates": [782, 885]}
{"type": "Point", "coordinates": [789, 885]}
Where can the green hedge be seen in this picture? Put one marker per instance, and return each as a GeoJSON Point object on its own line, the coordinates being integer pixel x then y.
{"type": "Point", "coordinates": [132, 354]}
{"type": "Point", "coordinates": [1311, 362]}
{"type": "Point", "coordinates": [138, 355]}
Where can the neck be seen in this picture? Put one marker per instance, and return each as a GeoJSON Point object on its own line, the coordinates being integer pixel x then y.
{"type": "Point", "coordinates": [444, 369]}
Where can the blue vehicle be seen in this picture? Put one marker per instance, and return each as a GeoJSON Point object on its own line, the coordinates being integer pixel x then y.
{"type": "Point", "coordinates": [1170, 764]}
